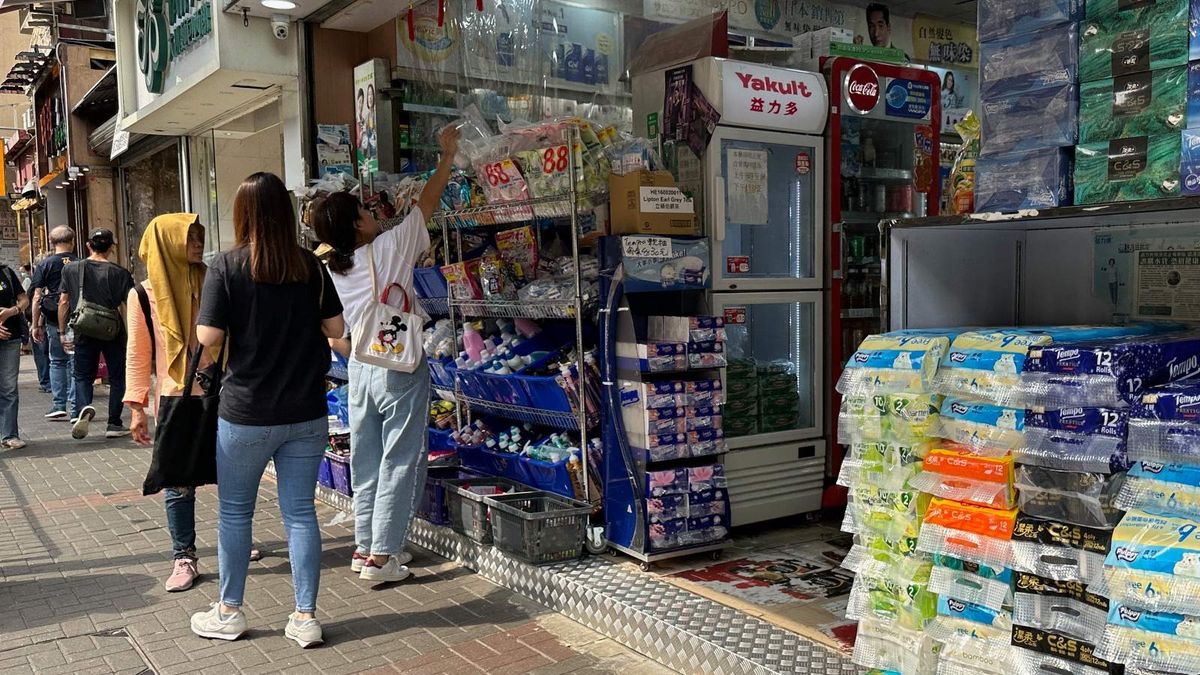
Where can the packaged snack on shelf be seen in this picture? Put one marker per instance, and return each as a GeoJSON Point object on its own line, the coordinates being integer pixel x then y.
{"type": "Point", "coordinates": [986, 429]}
{"type": "Point", "coordinates": [463, 280]}
{"type": "Point", "coordinates": [1154, 563]}
{"type": "Point", "coordinates": [1041, 651]}
{"type": "Point", "coordinates": [969, 533]}
{"type": "Point", "coordinates": [518, 249]}
{"type": "Point", "coordinates": [502, 183]}
{"type": "Point", "coordinates": [1064, 607]}
{"type": "Point", "coordinates": [1075, 439]}
{"type": "Point", "coordinates": [496, 279]}
{"type": "Point", "coordinates": [888, 647]}
{"type": "Point", "coordinates": [1164, 641]}
{"type": "Point", "coordinates": [962, 475]}
{"type": "Point", "coordinates": [962, 170]}
{"type": "Point", "coordinates": [1164, 489]}
{"type": "Point", "coordinates": [1000, 18]}
{"type": "Point", "coordinates": [548, 173]}
{"type": "Point", "coordinates": [903, 361]}
{"type": "Point", "coordinates": [1060, 551]}
{"type": "Point", "coordinates": [971, 582]}
{"type": "Point", "coordinates": [1147, 37]}
{"type": "Point", "coordinates": [1165, 426]}
{"type": "Point", "coordinates": [1086, 499]}
{"type": "Point", "coordinates": [1030, 120]}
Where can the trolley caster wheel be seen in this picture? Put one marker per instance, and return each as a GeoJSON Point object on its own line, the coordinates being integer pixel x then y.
{"type": "Point", "coordinates": [594, 549]}
{"type": "Point", "coordinates": [614, 552]}
{"type": "Point", "coordinates": [646, 567]}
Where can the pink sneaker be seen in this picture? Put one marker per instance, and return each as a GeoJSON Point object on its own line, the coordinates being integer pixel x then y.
{"type": "Point", "coordinates": [183, 575]}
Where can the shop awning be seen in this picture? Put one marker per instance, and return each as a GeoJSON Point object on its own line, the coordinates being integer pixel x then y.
{"type": "Point", "coordinates": [101, 100]}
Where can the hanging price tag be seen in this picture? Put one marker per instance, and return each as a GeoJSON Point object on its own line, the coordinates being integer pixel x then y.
{"type": "Point", "coordinates": [555, 160]}
{"type": "Point", "coordinates": [502, 182]}
{"type": "Point", "coordinates": [501, 173]}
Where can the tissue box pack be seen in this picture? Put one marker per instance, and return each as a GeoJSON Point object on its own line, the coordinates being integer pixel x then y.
{"type": "Point", "coordinates": [1041, 118]}
{"type": "Point", "coordinates": [1149, 37]}
{"type": "Point", "coordinates": [1142, 104]}
{"type": "Point", "coordinates": [1093, 371]}
{"type": "Point", "coordinates": [1128, 169]}
{"type": "Point", "coordinates": [1026, 62]}
{"type": "Point", "coordinates": [1030, 179]}
{"type": "Point", "coordinates": [1001, 18]}
{"type": "Point", "coordinates": [1189, 162]}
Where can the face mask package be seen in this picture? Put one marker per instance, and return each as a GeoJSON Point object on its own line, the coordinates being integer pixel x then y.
{"type": "Point", "coordinates": [990, 587]}
{"type": "Point", "coordinates": [969, 533]}
{"type": "Point", "coordinates": [1165, 426]}
{"type": "Point", "coordinates": [1164, 489]}
{"type": "Point", "coordinates": [1140, 104]}
{"type": "Point", "coordinates": [1024, 179]}
{"type": "Point", "coordinates": [902, 361]}
{"type": "Point", "coordinates": [885, 646]}
{"type": "Point", "coordinates": [1040, 652]}
{"type": "Point", "coordinates": [1147, 37]}
{"type": "Point", "coordinates": [957, 473]}
{"type": "Point", "coordinates": [1059, 551]}
{"type": "Point", "coordinates": [1154, 563]}
{"type": "Point", "coordinates": [1085, 499]}
{"type": "Point", "coordinates": [1089, 440]}
{"type": "Point", "coordinates": [1001, 18]}
{"type": "Point", "coordinates": [1162, 641]}
{"type": "Point", "coordinates": [1041, 118]}
{"type": "Point", "coordinates": [986, 429]}
{"type": "Point", "coordinates": [1106, 373]}
{"type": "Point", "coordinates": [1065, 607]}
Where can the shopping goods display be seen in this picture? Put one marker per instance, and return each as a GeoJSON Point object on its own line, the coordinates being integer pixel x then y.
{"type": "Point", "coordinates": [1141, 104]}
{"type": "Point", "coordinates": [1030, 120]}
{"type": "Point", "coordinates": [1029, 62]}
{"type": "Point", "coordinates": [999, 18]}
{"type": "Point", "coordinates": [1124, 38]}
{"type": "Point", "coordinates": [1024, 179]}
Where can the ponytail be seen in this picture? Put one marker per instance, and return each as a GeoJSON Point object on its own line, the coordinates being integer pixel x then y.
{"type": "Point", "coordinates": [334, 219]}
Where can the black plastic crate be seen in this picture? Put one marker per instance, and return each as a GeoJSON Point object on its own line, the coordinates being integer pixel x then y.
{"type": "Point", "coordinates": [467, 508]}
{"type": "Point", "coordinates": [539, 528]}
{"type": "Point", "coordinates": [432, 505]}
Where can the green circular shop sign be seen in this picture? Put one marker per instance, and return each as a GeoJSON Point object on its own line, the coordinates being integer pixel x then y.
{"type": "Point", "coordinates": [165, 30]}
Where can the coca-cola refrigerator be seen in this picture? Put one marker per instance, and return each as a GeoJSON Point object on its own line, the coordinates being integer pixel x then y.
{"type": "Point", "coordinates": [883, 164]}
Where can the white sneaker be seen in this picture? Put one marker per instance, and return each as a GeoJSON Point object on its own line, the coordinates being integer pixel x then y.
{"type": "Point", "coordinates": [80, 430]}
{"type": "Point", "coordinates": [392, 570]}
{"type": "Point", "coordinates": [212, 624]}
{"type": "Point", "coordinates": [57, 415]}
{"type": "Point", "coordinates": [306, 633]}
{"type": "Point", "coordinates": [357, 560]}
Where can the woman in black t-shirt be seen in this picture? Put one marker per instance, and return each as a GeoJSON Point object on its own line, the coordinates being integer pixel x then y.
{"type": "Point", "coordinates": [278, 307]}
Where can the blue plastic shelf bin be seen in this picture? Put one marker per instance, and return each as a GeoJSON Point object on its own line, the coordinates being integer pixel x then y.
{"type": "Point", "coordinates": [494, 463]}
{"type": "Point", "coordinates": [439, 373]}
{"type": "Point", "coordinates": [339, 405]}
{"type": "Point", "coordinates": [429, 282]}
{"type": "Point", "coordinates": [325, 473]}
{"type": "Point", "coordinates": [432, 505]}
{"type": "Point", "coordinates": [439, 439]}
{"type": "Point", "coordinates": [339, 467]}
{"type": "Point", "coordinates": [552, 477]}
{"type": "Point", "coordinates": [544, 391]}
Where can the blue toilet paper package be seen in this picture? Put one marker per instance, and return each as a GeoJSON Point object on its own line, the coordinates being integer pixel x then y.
{"type": "Point", "coordinates": [1075, 439]}
{"type": "Point", "coordinates": [1041, 118]}
{"type": "Point", "coordinates": [1026, 179]}
{"type": "Point", "coordinates": [1154, 563]}
{"type": "Point", "coordinates": [1020, 63]}
{"type": "Point", "coordinates": [1165, 424]}
{"type": "Point", "coordinates": [1164, 489]}
{"type": "Point", "coordinates": [1166, 642]}
{"type": "Point", "coordinates": [1000, 18]}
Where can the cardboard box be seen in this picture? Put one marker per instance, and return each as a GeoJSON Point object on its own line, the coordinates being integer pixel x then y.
{"type": "Point", "coordinates": [648, 202]}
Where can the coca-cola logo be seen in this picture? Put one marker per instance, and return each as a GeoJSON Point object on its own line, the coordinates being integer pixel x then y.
{"type": "Point", "coordinates": [862, 88]}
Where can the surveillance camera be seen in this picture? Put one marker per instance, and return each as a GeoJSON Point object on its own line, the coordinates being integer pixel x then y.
{"type": "Point", "coordinates": [279, 25]}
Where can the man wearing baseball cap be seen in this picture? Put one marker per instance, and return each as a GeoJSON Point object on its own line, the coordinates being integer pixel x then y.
{"type": "Point", "coordinates": [101, 282]}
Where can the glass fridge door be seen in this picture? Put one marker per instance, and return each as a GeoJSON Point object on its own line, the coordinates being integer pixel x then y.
{"type": "Point", "coordinates": [773, 380]}
{"type": "Point", "coordinates": [766, 210]}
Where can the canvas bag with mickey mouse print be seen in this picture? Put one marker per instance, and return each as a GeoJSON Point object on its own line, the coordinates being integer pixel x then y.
{"type": "Point", "coordinates": [386, 336]}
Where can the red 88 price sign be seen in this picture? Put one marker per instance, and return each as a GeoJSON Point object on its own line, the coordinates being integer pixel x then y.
{"type": "Point", "coordinates": [555, 160]}
{"type": "Point", "coordinates": [497, 173]}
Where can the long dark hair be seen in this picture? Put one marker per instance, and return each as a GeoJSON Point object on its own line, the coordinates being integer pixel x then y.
{"type": "Point", "coordinates": [333, 219]}
{"type": "Point", "coordinates": [264, 221]}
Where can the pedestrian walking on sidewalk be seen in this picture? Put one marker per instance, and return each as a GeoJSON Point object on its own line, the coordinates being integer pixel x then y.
{"type": "Point", "coordinates": [101, 283]}
{"type": "Point", "coordinates": [388, 408]}
{"type": "Point", "coordinates": [41, 357]}
{"type": "Point", "coordinates": [277, 305]}
{"type": "Point", "coordinates": [46, 283]}
{"type": "Point", "coordinates": [161, 317]}
{"type": "Point", "coordinates": [13, 302]}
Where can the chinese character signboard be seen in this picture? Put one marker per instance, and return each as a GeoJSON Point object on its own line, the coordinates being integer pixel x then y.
{"type": "Point", "coordinates": [946, 43]}
{"type": "Point", "coordinates": [772, 98]}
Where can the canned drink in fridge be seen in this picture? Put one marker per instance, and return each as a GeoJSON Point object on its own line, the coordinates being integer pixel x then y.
{"type": "Point", "coordinates": [904, 199]}
{"type": "Point", "coordinates": [881, 198]}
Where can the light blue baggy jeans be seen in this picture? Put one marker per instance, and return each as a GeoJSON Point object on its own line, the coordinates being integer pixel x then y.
{"type": "Point", "coordinates": [389, 413]}
{"type": "Point", "coordinates": [242, 455]}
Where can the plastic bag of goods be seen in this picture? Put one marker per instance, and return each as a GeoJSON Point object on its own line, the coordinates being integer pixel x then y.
{"type": "Point", "coordinates": [984, 428]}
{"type": "Point", "coordinates": [1065, 607]}
{"type": "Point", "coordinates": [971, 582]}
{"type": "Point", "coordinates": [1166, 642]}
{"type": "Point", "coordinates": [973, 638]}
{"type": "Point", "coordinates": [970, 533]}
{"type": "Point", "coordinates": [959, 474]}
{"type": "Point", "coordinates": [1164, 426]}
{"type": "Point", "coordinates": [1060, 551]}
{"type": "Point", "coordinates": [893, 515]}
{"type": "Point", "coordinates": [889, 466]}
{"type": "Point", "coordinates": [1163, 489]}
{"type": "Point", "coordinates": [962, 171]}
{"type": "Point", "coordinates": [901, 361]}
{"type": "Point", "coordinates": [1086, 499]}
{"type": "Point", "coordinates": [885, 646]}
{"type": "Point", "coordinates": [894, 591]}
{"type": "Point", "coordinates": [1090, 440]}
{"type": "Point", "coordinates": [1154, 563]}
{"type": "Point", "coordinates": [1042, 652]}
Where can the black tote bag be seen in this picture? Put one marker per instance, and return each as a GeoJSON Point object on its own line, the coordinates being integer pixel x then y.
{"type": "Point", "coordinates": [185, 436]}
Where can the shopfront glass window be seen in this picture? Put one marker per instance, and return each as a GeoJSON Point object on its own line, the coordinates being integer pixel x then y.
{"type": "Point", "coordinates": [152, 187]}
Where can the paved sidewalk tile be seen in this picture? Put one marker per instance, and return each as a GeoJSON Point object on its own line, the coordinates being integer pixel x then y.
{"type": "Point", "coordinates": [83, 556]}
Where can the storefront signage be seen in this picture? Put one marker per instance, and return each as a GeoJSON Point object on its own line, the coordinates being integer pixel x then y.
{"type": "Point", "coordinates": [862, 89]}
{"type": "Point", "coordinates": [772, 98]}
{"type": "Point", "coordinates": [908, 98]}
{"type": "Point", "coordinates": [166, 29]}
{"type": "Point", "coordinates": [944, 42]}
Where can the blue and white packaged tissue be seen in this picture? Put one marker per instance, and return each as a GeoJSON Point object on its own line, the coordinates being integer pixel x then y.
{"type": "Point", "coordinates": [1001, 18]}
{"type": "Point", "coordinates": [1165, 424]}
{"type": "Point", "coordinates": [1029, 179]}
{"type": "Point", "coordinates": [1088, 440]}
{"type": "Point", "coordinates": [1041, 118]}
{"type": "Point", "coordinates": [1021, 63]}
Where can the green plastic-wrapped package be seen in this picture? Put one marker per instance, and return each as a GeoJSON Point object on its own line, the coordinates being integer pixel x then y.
{"type": "Point", "coordinates": [1150, 37]}
{"type": "Point", "coordinates": [1127, 169]}
{"type": "Point", "coordinates": [1142, 104]}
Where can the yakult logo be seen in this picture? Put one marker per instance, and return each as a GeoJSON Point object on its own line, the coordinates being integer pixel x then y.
{"type": "Point", "coordinates": [766, 83]}
{"type": "Point", "coordinates": [862, 88]}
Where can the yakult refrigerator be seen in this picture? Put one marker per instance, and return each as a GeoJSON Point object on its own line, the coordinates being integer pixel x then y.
{"type": "Point", "coordinates": [883, 163]}
{"type": "Point", "coordinates": [759, 183]}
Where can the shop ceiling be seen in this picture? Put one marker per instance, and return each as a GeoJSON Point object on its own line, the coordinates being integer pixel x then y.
{"type": "Point", "coordinates": [958, 10]}
{"type": "Point", "coordinates": [301, 10]}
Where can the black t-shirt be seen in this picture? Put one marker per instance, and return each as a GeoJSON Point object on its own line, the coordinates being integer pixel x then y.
{"type": "Point", "coordinates": [278, 355]}
{"type": "Point", "coordinates": [104, 283]}
{"type": "Point", "coordinates": [47, 276]}
{"type": "Point", "coordinates": [10, 290]}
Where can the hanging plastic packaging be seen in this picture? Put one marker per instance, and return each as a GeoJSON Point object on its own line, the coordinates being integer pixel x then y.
{"type": "Point", "coordinates": [1075, 439]}
{"type": "Point", "coordinates": [1164, 489]}
{"type": "Point", "coordinates": [901, 361]}
{"type": "Point", "coordinates": [894, 593]}
{"type": "Point", "coordinates": [889, 466]}
{"type": "Point", "coordinates": [970, 533]}
{"type": "Point", "coordinates": [986, 429]}
{"type": "Point", "coordinates": [869, 550]}
{"type": "Point", "coordinates": [1085, 499]}
{"type": "Point", "coordinates": [885, 646]}
{"type": "Point", "coordinates": [1163, 641]}
{"type": "Point", "coordinates": [1059, 551]}
{"type": "Point", "coordinates": [959, 474]}
{"type": "Point", "coordinates": [1065, 607]}
{"type": "Point", "coordinates": [892, 515]}
{"type": "Point", "coordinates": [971, 582]}
{"type": "Point", "coordinates": [1154, 563]}
{"type": "Point", "coordinates": [973, 639]}
{"type": "Point", "coordinates": [911, 416]}
{"type": "Point", "coordinates": [1041, 652]}
{"type": "Point", "coordinates": [862, 419]}
{"type": "Point", "coordinates": [1165, 426]}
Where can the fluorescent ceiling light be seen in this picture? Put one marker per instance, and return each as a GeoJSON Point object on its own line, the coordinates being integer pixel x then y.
{"type": "Point", "coordinates": [278, 4]}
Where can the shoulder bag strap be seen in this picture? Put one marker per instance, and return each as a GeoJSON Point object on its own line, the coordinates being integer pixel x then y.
{"type": "Point", "coordinates": [374, 282]}
{"type": "Point", "coordinates": [144, 301]}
